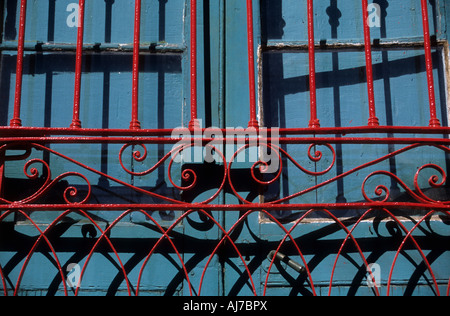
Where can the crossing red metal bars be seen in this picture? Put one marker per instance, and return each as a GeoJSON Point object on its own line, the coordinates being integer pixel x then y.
{"type": "Point", "coordinates": [32, 138]}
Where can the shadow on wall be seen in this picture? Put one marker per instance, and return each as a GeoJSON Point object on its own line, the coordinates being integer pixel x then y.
{"type": "Point", "coordinates": [73, 240]}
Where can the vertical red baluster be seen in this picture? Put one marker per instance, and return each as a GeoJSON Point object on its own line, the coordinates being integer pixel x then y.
{"type": "Point", "coordinates": [135, 124]}
{"type": "Point", "coordinates": [314, 122]}
{"type": "Point", "coordinates": [434, 121]}
{"type": "Point", "coordinates": [251, 65]}
{"type": "Point", "coordinates": [193, 52]}
{"type": "Point", "coordinates": [373, 120]}
{"type": "Point", "coordinates": [2, 172]}
{"type": "Point", "coordinates": [76, 123]}
{"type": "Point", "coordinates": [16, 121]}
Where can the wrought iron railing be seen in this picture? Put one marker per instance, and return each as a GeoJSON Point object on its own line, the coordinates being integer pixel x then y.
{"type": "Point", "coordinates": [18, 143]}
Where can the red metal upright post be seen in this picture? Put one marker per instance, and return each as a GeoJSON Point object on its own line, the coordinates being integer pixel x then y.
{"type": "Point", "coordinates": [434, 121]}
{"type": "Point", "coordinates": [76, 123]}
{"type": "Point", "coordinates": [251, 66]}
{"type": "Point", "coordinates": [16, 121]}
{"type": "Point", "coordinates": [135, 124]}
{"type": "Point", "coordinates": [314, 121]}
{"type": "Point", "coordinates": [193, 53]}
{"type": "Point", "coordinates": [2, 186]}
{"type": "Point", "coordinates": [2, 172]}
{"type": "Point", "coordinates": [373, 120]}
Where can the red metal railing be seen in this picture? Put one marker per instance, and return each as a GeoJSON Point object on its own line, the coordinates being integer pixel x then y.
{"type": "Point", "coordinates": [133, 287]}
{"type": "Point", "coordinates": [135, 124]}
{"type": "Point", "coordinates": [373, 120]}
{"type": "Point", "coordinates": [193, 55]}
{"type": "Point", "coordinates": [76, 123]}
{"type": "Point", "coordinates": [314, 122]}
{"type": "Point", "coordinates": [16, 121]}
{"type": "Point", "coordinates": [31, 139]}
{"type": "Point", "coordinates": [434, 121]}
{"type": "Point", "coordinates": [251, 65]}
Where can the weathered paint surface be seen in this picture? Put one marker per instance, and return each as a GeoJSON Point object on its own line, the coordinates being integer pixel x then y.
{"type": "Point", "coordinates": [281, 36]}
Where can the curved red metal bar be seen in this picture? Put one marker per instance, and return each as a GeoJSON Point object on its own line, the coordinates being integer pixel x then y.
{"type": "Point", "coordinates": [227, 236]}
{"type": "Point", "coordinates": [32, 251]}
{"type": "Point", "coordinates": [103, 236]}
{"type": "Point", "coordinates": [5, 288]}
{"type": "Point", "coordinates": [448, 288]}
{"type": "Point", "coordinates": [27, 138]}
{"type": "Point", "coordinates": [164, 236]}
{"type": "Point", "coordinates": [409, 236]}
{"type": "Point", "coordinates": [341, 249]}
{"type": "Point", "coordinates": [288, 234]}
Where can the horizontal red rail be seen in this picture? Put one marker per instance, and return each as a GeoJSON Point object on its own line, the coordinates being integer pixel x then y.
{"type": "Point", "coordinates": [228, 207]}
{"type": "Point", "coordinates": [284, 140]}
{"type": "Point", "coordinates": [7, 131]}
